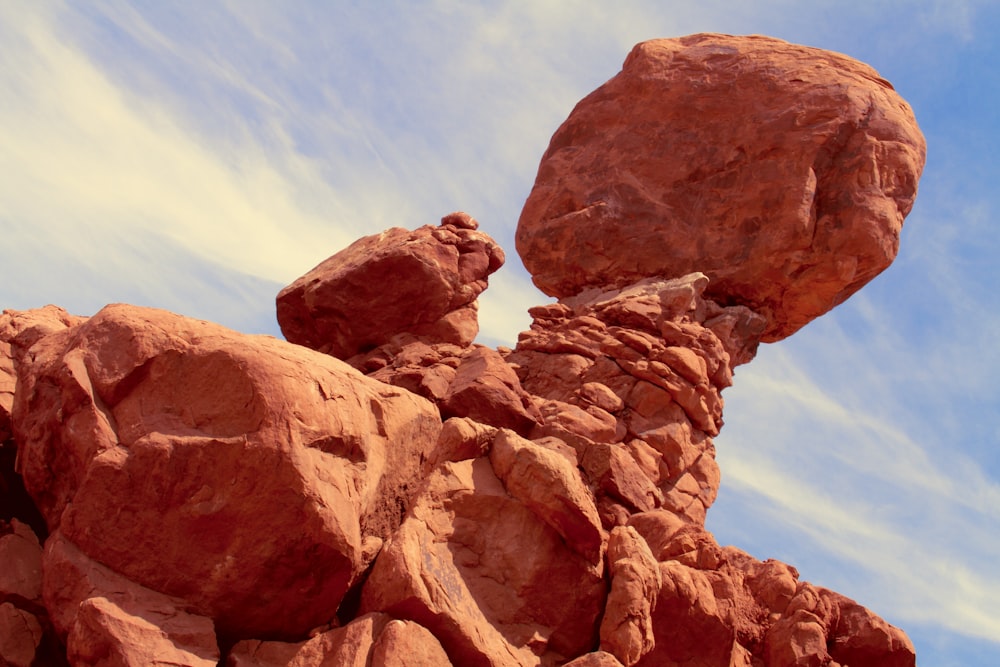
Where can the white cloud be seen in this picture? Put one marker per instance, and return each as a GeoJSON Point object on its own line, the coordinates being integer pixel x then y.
{"type": "Point", "coordinates": [88, 153]}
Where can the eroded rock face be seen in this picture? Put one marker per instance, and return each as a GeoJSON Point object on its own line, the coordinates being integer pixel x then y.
{"type": "Point", "coordinates": [632, 378]}
{"type": "Point", "coordinates": [217, 467]}
{"type": "Point", "coordinates": [780, 171]}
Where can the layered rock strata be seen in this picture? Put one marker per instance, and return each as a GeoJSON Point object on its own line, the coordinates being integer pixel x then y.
{"type": "Point", "coordinates": [188, 495]}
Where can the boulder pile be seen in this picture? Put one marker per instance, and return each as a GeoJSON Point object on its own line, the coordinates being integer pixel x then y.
{"type": "Point", "coordinates": [378, 489]}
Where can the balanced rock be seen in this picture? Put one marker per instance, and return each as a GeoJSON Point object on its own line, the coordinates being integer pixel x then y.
{"type": "Point", "coordinates": [423, 282]}
{"type": "Point", "coordinates": [781, 172]}
{"type": "Point", "coordinates": [204, 497]}
{"type": "Point", "coordinates": [250, 477]}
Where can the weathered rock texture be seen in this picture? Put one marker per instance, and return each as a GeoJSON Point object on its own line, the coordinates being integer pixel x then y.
{"type": "Point", "coordinates": [781, 172]}
{"type": "Point", "coordinates": [356, 300]}
{"type": "Point", "coordinates": [188, 495]}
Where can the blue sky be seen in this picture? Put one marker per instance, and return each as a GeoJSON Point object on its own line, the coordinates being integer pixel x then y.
{"type": "Point", "coordinates": [197, 156]}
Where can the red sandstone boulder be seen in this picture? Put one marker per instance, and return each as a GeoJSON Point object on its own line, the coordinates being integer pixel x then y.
{"type": "Point", "coordinates": [106, 634]}
{"type": "Point", "coordinates": [253, 478]}
{"type": "Point", "coordinates": [407, 644]}
{"type": "Point", "coordinates": [19, 330]}
{"type": "Point", "coordinates": [782, 172]}
{"type": "Point", "coordinates": [423, 282]}
{"type": "Point", "coordinates": [21, 555]}
{"type": "Point", "coordinates": [595, 659]}
{"type": "Point", "coordinates": [819, 626]}
{"type": "Point", "coordinates": [8, 380]}
{"type": "Point", "coordinates": [486, 389]}
{"type": "Point", "coordinates": [101, 615]}
{"type": "Point", "coordinates": [21, 628]}
{"type": "Point", "coordinates": [20, 635]}
{"type": "Point", "coordinates": [373, 639]}
{"type": "Point", "coordinates": [548, 483]}
{"type": "Point", "coordinates": [627, 626]}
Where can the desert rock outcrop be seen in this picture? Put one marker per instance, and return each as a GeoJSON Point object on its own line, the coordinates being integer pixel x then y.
{"type": "Point", "coordinates": [380, 490]}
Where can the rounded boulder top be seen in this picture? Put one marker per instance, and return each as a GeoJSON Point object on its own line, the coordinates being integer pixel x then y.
{"type": "Point", "coordinates": [782, 172]}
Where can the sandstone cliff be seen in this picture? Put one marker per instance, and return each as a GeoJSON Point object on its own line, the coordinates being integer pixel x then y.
{"type": "Point", "coordinates": [380, 490]}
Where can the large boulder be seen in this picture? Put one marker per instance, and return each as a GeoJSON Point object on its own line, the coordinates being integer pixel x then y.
{"type": "Point", "coordinates": [423, 282]}
{"type": "Point", "coordinates": [252, 478]}
{"type": "Point", "coordinates": [782, 172]}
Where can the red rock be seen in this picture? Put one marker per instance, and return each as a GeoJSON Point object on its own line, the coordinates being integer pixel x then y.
{"type": "Point", "coordinates": [861, 638]}
{"type": "Point", "coordinates": [595, 659]}
{"type": "Point", "coordinates": [486, 389]}
{"type": "Point", "coordinates": [637, 365]}
{"type": "Point", "coordinates": [782, 172]}
{"type": "Point", "coordinates": [23, 328]}
{"type": "Point", "coordinates": [773, 584]}
{"type": "Point", "coordinates": [617, 474]}
{"type": "Point", "coordinates": [577, 425]}
{"type": "Point", "coordinates": [20, 635]}
{"type": "Point", "coordinates": [495, 584]}
{"type": "Point", "coordinates": [461, 438]}
{"type": "Point", "coordinates": [349, 646]}
{"type": "Point", "coordinates": [626, 629]}
{"type": "Point", "coordinates": [423, 282]}
{"type": "Point", "coordinates": [406, 644]}
{"type": "Point", "coordinates": [819, 626]}
{"type": "Point", "coordinates": [22, 617]}
{"type": "Point", "coordinates": [673, 537]}
{"type": "Point", "coordinates": [71, 577]}
{"type": "Point", "coordinates": [105, 634]}
{"type": "Point", "coordinates": [166, 447]}
{"type": "Point", "coordinates": [8, 379]}
{"type": "Point", "coordinates": [689, 624]}
{"type": "Point", "coordinates": [600, 396]}
{"type": "Point", "coordinates": [21, 555]}
{"type": "Point", "coordinates": [372, 639]}
{"type": "Point", "coordinates": [19, 330]}
{"type": "Point", "coordinates": [551, 487]}
{"type": "Point", "coordinates": [195, 478]}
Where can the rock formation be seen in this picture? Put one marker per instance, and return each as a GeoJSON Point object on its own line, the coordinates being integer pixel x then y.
{"type": "Point", "coordinates": [781, 172]}
{"type": "Point", "coordinates": [399, 495]}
